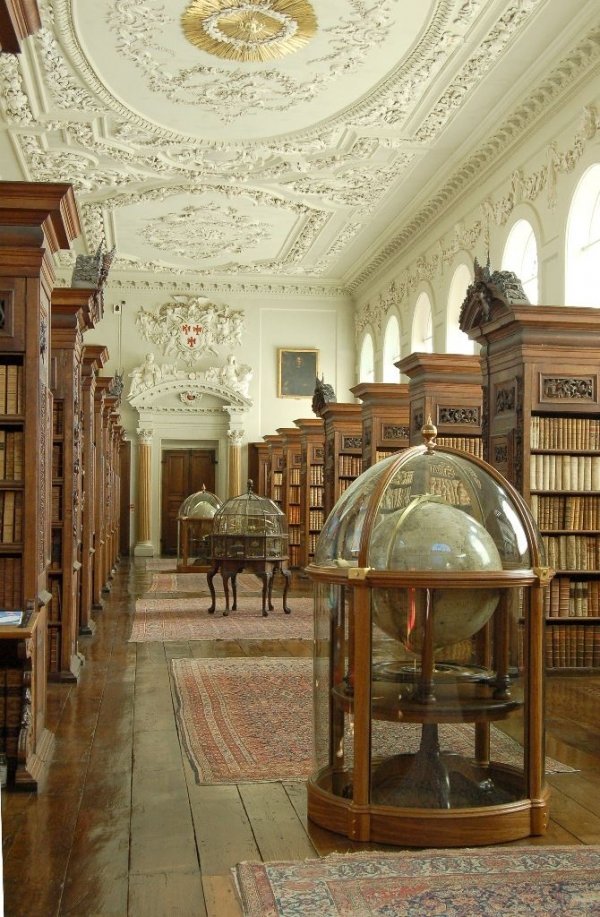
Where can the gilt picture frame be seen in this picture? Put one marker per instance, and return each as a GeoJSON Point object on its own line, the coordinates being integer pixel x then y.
{"type": "Point", "coordinates": [298, 368]}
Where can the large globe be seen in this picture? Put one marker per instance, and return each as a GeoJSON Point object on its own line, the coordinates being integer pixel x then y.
{"type": "Point", "coordinates": [430, 534]}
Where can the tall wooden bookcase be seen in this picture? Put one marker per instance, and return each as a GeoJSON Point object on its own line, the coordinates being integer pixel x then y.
{"type": "Point", "coordinates": [291, 503]}
{"type": "Point", "coordinates": [385, 419]}
{"type": "Point", "coordinates": [343, 449]}
{"type": "Point", "coordinates": [258, 467]}
{"type": "Point", "coordinates": [447, 388]}
{"type": "Point", "coordinates": [94, 358]}
{"type": "Point", "coordinates": [73, 312]}
{"type": "Point", "coordinates": [312, 485]}
{"type": "Point", "coordinates": [541, 366]}
{"type": "Point", "coordinates": [274, 442]}
{"type": "Point", "coordinates": [36, 220]}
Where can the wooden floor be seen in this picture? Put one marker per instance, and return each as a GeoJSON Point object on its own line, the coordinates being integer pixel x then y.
{"type": "Point", "coordinates": [121, 828]}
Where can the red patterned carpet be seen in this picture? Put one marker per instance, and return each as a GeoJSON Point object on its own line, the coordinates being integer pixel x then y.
{"type": "Point", "coordinates": [197, 582]}
{"type": "Point", "coordinates": [501, 881]}
{"type": "Point", "coordinates": [173, 619]}
{"type": "Point", "coordinates": [251, 719]}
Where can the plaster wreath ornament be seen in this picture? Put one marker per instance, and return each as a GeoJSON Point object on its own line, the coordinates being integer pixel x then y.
{"type": "Point", "coordinates": [191, 326]}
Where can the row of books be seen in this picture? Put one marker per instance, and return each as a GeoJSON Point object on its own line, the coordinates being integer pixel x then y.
{"type": "Point", "coordinates": [294, 536]}
{"type": "Point", "coordinates": [11, 388]}
{"type": "Point", "coordinates": [471, 444]}
{"type": "Point", "coordinates": [10, 582]}
{"type": "Point", "coordinates": [56, 502]}
{"type": "Point", "coordinates": [58, 418]}
{"type": "Point", "coordinates": [316, 495]}
{"type": "Point", "coordinates": [294, 493]}
{"type": "Point", "coordinates": [317, 474]}
{"type": "Point", "coordinates": [57, 460]}
{"type": "Point", "coordinates": [294, 556]}
{"type": "Point", "coordinates": [565, 433]}
{"type": "Point", "coordinates": [381, 454]}
{"type": "Point", "coordinates": [277, 493]}
{"type": "Point", "coordinates": [564, 472]}
{"type": "Point", "coordinates": [54, 609]}
{"type": "Point", "coordinates": [572, 598]}
{"type": "Point", "coordinates": [11, 710]}
{"type": "Point", "coordinates": [294, 476]}
{"type": "Point", "coordinates": [312, 542]}
{"type": "Point", "coordinates": [350, 465]}
{"type": "Point", "coordinates": [566, 512]}
{"type": "Point", "coordinates": [293, 515]}
{"type": "Point", "coordinates": [450, 489]}
{"type": "Point", "coordinates": [572, 552]}
{"type": "Point", "coordinates": [572, 646]}
{"type": "Point", "coordinates": [316, 519]}
{"type": "Point", "coordinates": [11, 516]}
{"type": "Point", "coordinates": [54, 642]}
{"type": "Point", "coordinates": [11, 455]}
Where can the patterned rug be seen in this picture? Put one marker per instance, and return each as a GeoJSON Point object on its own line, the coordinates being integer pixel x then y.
{"type": "Point", "coordinates": [504, 881]}
{"type": "Point", "coordinates": [165, 620]}
{"type": "Point", "coordinates": [197, 582]}
{"type": "Point", "coordinates": [251, 720]}
{"type": "Point", "coordinates": [166, 564]}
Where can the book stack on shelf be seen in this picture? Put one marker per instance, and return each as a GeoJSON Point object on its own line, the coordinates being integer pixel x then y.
{"type": "Point", "coordinates": [312, 515]}
{"type": "Point", "coordinates": [541, 365]}
{"type": "Point", "coordinates": [290, 485]}
{"type": "Point", "coordinates": [275, 470]}
{"type": "Point", "coordinates": [385, 419]}
{"type": "Point", "coordinates": [343, 449]}
{"type": "Point", "coordinates": [258, 467]}
{"type": "Point", "coordinates": [446, 387]}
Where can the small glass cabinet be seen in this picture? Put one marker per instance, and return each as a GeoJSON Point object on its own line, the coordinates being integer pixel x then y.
{"type": "Point", "coordinates": [194, 528]}
{"type": "Point", "coordinates": [429, 577]}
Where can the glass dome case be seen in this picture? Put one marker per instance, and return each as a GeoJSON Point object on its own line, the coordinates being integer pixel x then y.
{"type": "Point", "coordinates": [249, 526]}
{"type": "Point", "coordinates": [194, 526]}
{"type": "Point", "coordinates": [429, 576]}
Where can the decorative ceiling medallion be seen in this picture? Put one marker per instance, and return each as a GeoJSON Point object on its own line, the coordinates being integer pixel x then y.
{"type": "Point", "coordinates": [262, 30]}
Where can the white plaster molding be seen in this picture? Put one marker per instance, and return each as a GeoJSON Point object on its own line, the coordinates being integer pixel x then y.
{"type": "Point", "coordinates": [145, 398]}
{"type": "Point", "coordinates": [188, 327]}
{"type": "Point", "coordinates": [145, 437]}
{"type": "Point", "coordinates": [235, 437]}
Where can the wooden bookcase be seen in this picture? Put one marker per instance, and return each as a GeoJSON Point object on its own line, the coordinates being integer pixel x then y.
{"type": "Point", "coordinates": [291, 504]}
{"type": "Point", "coordinates": [312, 485]}
{"type": "Point", "coordinates": [343, 449]}
{"type": "Point", "coordinates": [542, 396]}
{"type": "Point", "coordinates": [258, 467]}
{"type": "Point", "coordinates": [18, 20]}
{"type": "Point", "coordinates": [73, 312]}
{"type": "Point", "coordinates": [385, 419]}
{"type": "Point", "coordinates": [446, 387]}
{"type": "Point", "coordinates": [36, 220]}
{"type": "Point", "coordinates": [94, 358]}
{"type": "Point", "coordinates": [275, 468]}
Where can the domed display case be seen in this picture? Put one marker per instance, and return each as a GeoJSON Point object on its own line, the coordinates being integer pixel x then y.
{"type": "Point", "coordinates": [194, 526]}
{"type": "Point", "coordinates": [429, 579]}
{"type": "Point", "coordinates": [249, 532]}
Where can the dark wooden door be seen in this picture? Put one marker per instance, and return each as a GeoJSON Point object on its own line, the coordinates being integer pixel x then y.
{"type": "Point", "coordinates": [184, 471]}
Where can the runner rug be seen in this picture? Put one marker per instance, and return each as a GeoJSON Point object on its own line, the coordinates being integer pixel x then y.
{"type": "Point", "coordinates": [507, 881]}
{"type": "Point", "coordinates": [197, 582]}
{"type": "Point", "coordinates": [166, 620]}
{"type": "Point", "coordinates": [251, 720]}
{"type": "Point", "coordinates": [165, 564]}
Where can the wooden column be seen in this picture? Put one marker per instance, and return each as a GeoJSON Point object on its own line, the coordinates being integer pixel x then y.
{"type": "Point", "coordinates": [144, 546]}
{"type": "Point", "coordinates": [234, 483]}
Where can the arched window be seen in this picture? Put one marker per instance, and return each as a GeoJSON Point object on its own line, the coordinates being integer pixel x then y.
{"type": "Point", "coordinates": [391, 350]}
{"type": "Point", "coordinates": [583, 242]}
{"type": "Point", "coordinates": [422, 327]}
{"type": "Point", "coordinates": [456, 340]}
{"type": "Point", "coordinates": [367, 360]}
{"type": "Point", "coordinates": [521, 257]}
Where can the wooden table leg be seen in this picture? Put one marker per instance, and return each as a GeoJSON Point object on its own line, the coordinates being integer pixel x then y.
{"type": "Point", "coordinates": [227, 575]}
{"type": "Point", "coordinates": [286, 586]}
{"type": "Point", "coordinates": [213, 598]}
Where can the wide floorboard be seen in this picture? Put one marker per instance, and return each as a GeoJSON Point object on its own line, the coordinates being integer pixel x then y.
{"type": "Point", "coordinates": [120, 826]}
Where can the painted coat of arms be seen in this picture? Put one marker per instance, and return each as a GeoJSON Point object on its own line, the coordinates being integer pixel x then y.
{"type": "Point", "coordinates": [191, 326]}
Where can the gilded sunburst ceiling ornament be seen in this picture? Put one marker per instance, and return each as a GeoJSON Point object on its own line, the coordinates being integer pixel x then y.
{"type": "Point", "coordinates": [262, 30]}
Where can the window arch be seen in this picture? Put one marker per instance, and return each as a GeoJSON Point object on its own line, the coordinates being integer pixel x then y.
{"type": "Point", "coordinates": [583, 242]}
{"type": "Point", "coordinates": [391, 350]}
{"type": "Point", "coordinates": [422, 326]}
{"type": "Point", "coordinates": [456, 340]}
{"type": "Point", "coordinates": [366, 371]}
{"type": "Point", "coordinates": [521, 257]}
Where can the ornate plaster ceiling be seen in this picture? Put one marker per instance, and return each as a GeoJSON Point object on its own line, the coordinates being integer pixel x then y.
{"type": "Point", "coordinates": [194, 160]}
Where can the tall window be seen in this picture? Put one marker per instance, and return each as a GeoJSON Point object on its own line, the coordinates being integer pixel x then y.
{"type": "Point", "coordinates": [367, 360]}
{"type": "Point", "coordinates": [521, 257]}
{"type": "Point", "coordinates": [456, 340]}
{"type": "Point", "coordinates": [391, 350]}
{"type": "Point", "coordinates": [583, 242]}
{"type": "Point", "coordinates": [422, 327]}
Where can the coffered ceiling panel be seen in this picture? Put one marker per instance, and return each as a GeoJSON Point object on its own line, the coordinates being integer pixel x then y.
{"type": "Point", "coordinates": [286, 139]}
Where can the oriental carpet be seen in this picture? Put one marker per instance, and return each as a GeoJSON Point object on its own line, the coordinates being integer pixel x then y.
{"type": "Point", "coordinates": [502, 881]}
{"type": "Point", "coordinates": [175, 619]}
{"type": "Point", "coordinates": [197, 582]}
{"type": "Point", "coordinates": [251, 720]}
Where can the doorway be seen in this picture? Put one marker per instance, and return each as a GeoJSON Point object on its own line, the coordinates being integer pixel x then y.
{"type": "Point", "coordinates": [184, 471]}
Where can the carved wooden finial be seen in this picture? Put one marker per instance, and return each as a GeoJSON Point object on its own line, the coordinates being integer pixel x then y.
{"type": "Point", "coordinates": [250, 485]}
{"type": "Point", "coordinates": [429, 431]}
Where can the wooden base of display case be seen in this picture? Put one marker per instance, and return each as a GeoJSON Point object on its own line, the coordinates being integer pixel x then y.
{"type": "Point", "coordinates": [30, 772]}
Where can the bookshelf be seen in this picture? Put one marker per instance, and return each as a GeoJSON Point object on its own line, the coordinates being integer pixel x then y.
{"type": "Point", "coordinates": [291, 489]}
{"type": "Point", "coordinates": [312, 485]}
{"type": "Point", "coordinates": [385, 419]}
{"type": "Point", "coordinates": [275, 469]}
{"type": "Point", "coordinates": [447, 388]}
{"type": "Point", "coordinates": [94, 358]}
{"type": "Point", "coordinates": [542, 396]}
{"type": "Point", "coordinates": [343, 449]}
{"type": "Point", "coordinates": [36, 220]}
{"type": "Point", "coordinates": [258, 467]}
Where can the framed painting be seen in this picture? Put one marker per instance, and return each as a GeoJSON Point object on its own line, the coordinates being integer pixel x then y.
{"type": "Point", "coordinates": [297, 373]}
